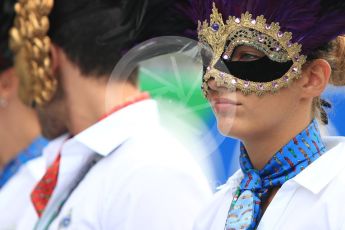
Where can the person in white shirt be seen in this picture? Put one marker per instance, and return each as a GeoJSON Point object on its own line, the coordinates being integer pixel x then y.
{"type": "Point", "coordinates": [21, 142]}
{"type": "Point", "coordinates": [117, 168]}
{"type": "Point", "coordinates": [269, 63]}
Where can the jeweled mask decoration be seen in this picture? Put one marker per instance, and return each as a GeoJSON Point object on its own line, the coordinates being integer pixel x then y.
{"type": "Point", "coordinates": [281, 65]}
{"type": "Point", "coordinates": [31, 46]}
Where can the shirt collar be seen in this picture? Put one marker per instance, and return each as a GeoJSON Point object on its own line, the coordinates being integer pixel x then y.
{"type": "Point", "coordinates": [109, 133]}
{"type": "Point", "coordinates": [319, 174]}
{"type": "Point", "coordinates": [316, 176]}
{"type": "Point", "coordinates": [141, 97]}
{"type": "Point", "coordinates": [233, 182]}
{"type": "Point", "coordinates": [51, 151]}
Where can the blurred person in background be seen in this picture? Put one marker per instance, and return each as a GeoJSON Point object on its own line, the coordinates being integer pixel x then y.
{"type": "Point", "coordinates": [21, 143]}
{"type": "Point", "coordinates": [267, 64]}
{"type": "Point", "coordinates": [117, 168]}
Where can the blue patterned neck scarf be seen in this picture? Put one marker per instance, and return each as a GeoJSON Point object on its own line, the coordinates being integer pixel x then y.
{"type": "Point", "coordinates": [299, 153]}
{"type": "Point", "coordinates": [33, 151]}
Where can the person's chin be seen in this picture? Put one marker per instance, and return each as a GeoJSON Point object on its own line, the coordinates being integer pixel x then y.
{"type": "Point", "coordinates": [225, 125]}
{"type": "Point", "coordinates": [231, 127]}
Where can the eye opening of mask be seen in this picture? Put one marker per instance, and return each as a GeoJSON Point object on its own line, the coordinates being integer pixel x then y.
{"type": "Point", "coordinates": [261, 70]}
{"type": "Point", "coordinates": [261, 42]}
{"type": "Point", "coordinates": [258, 68]}
{"type": "Point", "coordinates": [245, 53]}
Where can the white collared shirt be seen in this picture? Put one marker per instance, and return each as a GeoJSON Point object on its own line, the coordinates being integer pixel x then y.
{"type": "Point", "coordinates": [146, 180]}
{"type": "Point", "coordinates": [314, 199]}
{"type": "Point", "coordinates": [15, 195]}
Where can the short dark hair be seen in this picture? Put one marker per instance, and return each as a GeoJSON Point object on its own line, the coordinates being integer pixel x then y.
{"type": "Point", "coordinates": [78, 27]}
{"type": "Point", "coordinates": [75, 26]}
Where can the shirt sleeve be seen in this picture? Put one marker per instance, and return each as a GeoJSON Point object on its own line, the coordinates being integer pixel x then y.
{"type": "Point", "coordinates": [156, 199]}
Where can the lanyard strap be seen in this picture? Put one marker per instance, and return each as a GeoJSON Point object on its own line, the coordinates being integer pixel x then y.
{"type": "Point", "coordinates": [53, 210]}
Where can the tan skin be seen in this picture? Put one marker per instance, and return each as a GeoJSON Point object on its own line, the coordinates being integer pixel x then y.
{"type": "Point", "coordinates": [265, 124]}
{"type": "Point", "coordinates": [19, 125]}
{"type": "Point", "coordinates": [85, 98]}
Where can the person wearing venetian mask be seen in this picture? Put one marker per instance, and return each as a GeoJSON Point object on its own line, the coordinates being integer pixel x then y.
{"type": "Point", "coordinates": [270, 62]}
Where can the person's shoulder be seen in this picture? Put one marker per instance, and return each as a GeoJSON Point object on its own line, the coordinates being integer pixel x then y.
{"type": "Point", "coordinates": [329, 169]}
{"type": "Point", "coordinates": [154, 148]}
{"type": "Point", "coordinates": [152, 167]}
{"type": "Point", "coordinates": [338, 161]}
{"type": "Point", "coordinates": [154, 156]}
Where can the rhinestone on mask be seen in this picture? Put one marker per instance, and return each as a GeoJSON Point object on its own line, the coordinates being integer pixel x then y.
{"type": "Point", "coordinates": [261, 38]}
{"type": "Point", "coordinates": [275, 85]}
{"type": "Point", "coordinates": [261, 86]}
{"type": "Point", "coordinates": [246, 84]}
{"type": "Point", "coordinates": [215, 27]}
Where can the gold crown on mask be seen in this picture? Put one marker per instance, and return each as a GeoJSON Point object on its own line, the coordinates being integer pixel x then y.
{"type": "Point", "coordinates": [216, 34]}
{"type": "Point", "coordinates": [31, 46]}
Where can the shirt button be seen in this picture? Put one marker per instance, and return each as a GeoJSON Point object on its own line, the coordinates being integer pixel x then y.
{"type": "Point", "coordinates": [65, 222]}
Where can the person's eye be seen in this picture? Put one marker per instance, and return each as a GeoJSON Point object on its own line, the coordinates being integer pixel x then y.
{"type": "Point", "coordinates": [248, 57]}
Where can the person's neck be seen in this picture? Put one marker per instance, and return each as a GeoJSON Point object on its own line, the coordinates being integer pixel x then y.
{"type": "Point", "coordinates": [19, 127]}
{"type": "Point", "coordinates": [93, 99]}
{"type": "Point", "coordinates": [264, 146]}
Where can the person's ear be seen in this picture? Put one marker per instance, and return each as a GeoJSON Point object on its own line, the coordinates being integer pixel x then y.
{"type": "Point", "coordinates": [55, 58]}
{"type": "Point", "coordinates": [315, 78]}
{"type": "Point", "coordinates": [8, 84]}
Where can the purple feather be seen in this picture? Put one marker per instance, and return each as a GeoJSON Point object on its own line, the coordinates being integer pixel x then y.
{"type": "Point", "coordinates": [312, 23]}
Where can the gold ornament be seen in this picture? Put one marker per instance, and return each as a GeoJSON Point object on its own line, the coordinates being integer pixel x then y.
{"type": "Point", "coordinates": [31, 45]}
{"type": "Point", "coordinates": [269, 39]}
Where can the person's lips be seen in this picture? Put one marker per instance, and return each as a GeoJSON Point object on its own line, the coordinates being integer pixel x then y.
{"type": "Point", "coordinates": [224, 104]}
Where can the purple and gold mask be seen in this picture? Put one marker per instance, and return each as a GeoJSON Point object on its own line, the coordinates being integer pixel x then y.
{"type": "Point", "coordinates": [286, 32]}
{"type": "Point", "coordinates": [281, 64]}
